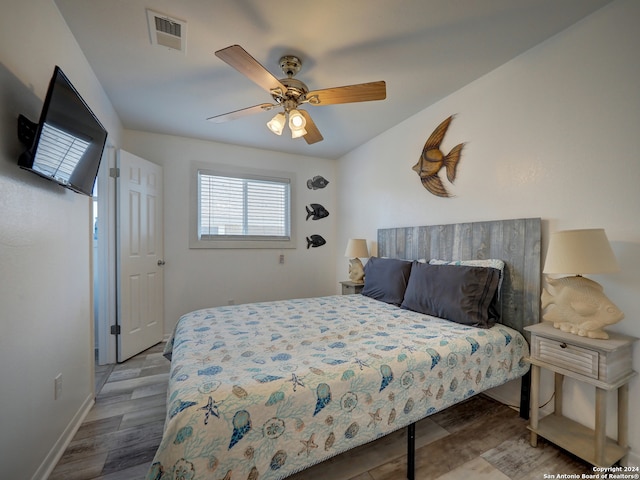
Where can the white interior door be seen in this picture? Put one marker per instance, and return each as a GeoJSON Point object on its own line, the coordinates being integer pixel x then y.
{"type": "Point", "coordinates": [140, 255]}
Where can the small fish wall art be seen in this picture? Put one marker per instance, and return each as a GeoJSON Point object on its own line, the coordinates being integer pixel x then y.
{"type": "Point", "coordinates": [315, 241]}
{"type": "Point", "coordinates": [317, 182]}
{"type": "Point", "coordinates": [432, 160]}
{"type": "Point", "coordinates": [315, 211]}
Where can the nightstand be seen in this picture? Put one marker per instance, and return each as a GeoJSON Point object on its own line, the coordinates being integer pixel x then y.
{"type": "Point", "coordinates": [605, 364]}
{"type": "Point", "coordinates": [350, 288]}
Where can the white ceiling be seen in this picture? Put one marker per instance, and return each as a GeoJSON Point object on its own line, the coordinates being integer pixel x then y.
{"type": "Point", "coordinates": [423, 49]}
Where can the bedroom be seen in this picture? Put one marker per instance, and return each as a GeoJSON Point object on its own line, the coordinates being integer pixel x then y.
{"type": "Point", "coordinates": [561, 144]}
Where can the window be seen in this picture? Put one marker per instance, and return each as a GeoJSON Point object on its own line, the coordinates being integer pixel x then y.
{"type": "Point", "coordinates": [241, 208]}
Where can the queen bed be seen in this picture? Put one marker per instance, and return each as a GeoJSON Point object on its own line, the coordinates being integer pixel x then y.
{"type": "Point", "coordinates": [264, 390]}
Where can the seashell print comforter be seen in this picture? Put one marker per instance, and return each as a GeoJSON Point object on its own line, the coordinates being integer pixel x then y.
{"type": "Point", "coordinates": [263, 390]}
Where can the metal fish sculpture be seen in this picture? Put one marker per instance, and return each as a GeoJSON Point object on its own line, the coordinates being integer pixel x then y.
{"type": "Point", "coordinates": [317, 182]}
{"type": "Point", "coordinates": [432, 160]}
{"type": "Point", "coordinates": [579, 306]}
{"type": "Point", "coordinates": [315, 241]}
{"type": "Point", "coordinates": [316, 212]}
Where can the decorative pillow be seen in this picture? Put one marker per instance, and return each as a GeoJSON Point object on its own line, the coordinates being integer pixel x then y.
{"type": "Point", "coordinates": [386, 279]}
{"type": "Point", "coordinates": [461, 294]}
{"type": "Point", "coordinates": [495, 308]}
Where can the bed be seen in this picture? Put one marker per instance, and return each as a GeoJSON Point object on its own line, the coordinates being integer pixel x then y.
{"type": "Point", "coordinates": [264, 390]}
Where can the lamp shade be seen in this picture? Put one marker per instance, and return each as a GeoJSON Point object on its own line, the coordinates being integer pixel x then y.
{"type": "Point", "coordinates": [276, 124]}
{"type": "Point", "coordinates": [357, 248]}
{"type": "Point", "coordinates": [579, 252]}
{"type": "Point", "coordinates": [296, 120]}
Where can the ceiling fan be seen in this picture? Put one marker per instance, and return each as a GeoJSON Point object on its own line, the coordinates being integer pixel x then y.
{"type": "Point", "coordinates": [290, 93]}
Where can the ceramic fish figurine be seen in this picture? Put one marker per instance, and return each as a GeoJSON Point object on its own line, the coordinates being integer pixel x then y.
{"type": "Point", "coordinates": [356, 270]}
{"type": "Point", "coordinates": [316, 212]}
{"type": "Point", "coordinates": [315, 241]}
{"type": "Point", "coordinates": [317, 182]}
{"type": "Point", "coordinates": [579, 306]}
{"type": "Point", "coordinates": [432, 160]}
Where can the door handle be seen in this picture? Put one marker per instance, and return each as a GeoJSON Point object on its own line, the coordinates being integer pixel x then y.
{"type": "Point", "coordinates": [160, 263]}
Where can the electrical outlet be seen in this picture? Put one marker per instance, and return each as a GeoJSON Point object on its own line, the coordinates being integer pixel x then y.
{"type": "Point", "coordinates": [281, 258]}
{"type": "Point", "coordinates": [57, 382]}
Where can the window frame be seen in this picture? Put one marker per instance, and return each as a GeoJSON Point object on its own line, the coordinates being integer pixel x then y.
{"type": "Point", "coordinates": [238, 241]}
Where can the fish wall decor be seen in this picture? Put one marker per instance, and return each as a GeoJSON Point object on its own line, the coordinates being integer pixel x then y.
{"type": "Point", "coordinates": [432, 160]}
{"type": "Point", "coordinates": [315, 211]}
{"type": "Point", "coordinates": [315, 241]}
{"type": "Point", "coordinates": [317, 182]}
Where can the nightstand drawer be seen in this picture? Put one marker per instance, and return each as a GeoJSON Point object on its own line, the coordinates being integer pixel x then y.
{"type": "Point", "coordinates": [576, 359]}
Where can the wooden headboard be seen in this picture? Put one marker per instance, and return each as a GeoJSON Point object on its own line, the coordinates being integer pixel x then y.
{"type": "Point", "coordinates": [516, 242]}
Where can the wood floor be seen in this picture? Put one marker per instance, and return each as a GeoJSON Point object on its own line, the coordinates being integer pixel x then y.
{"type": "Point", "coordinates": [478, 439]}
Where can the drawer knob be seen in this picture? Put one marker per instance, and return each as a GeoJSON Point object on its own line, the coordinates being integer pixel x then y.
{"type": "Point", "coordinates": [563, 345]}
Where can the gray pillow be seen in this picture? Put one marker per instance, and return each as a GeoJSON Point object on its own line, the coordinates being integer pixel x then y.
{"type": "Point", "coordinates": [458, 293]}
{"type": "Point", "coordinates": [386, 279]}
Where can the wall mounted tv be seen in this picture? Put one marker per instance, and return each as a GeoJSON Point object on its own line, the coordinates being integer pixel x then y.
{"type": "Point", "coordinates": [66, 145]}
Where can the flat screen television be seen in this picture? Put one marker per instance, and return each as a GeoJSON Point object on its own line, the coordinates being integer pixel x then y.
{"type": "Point", "coordinates": [66, 145]}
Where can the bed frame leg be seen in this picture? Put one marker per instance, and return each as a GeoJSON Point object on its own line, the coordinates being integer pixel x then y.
{"type": "Point", "coordinates": [411, 451]}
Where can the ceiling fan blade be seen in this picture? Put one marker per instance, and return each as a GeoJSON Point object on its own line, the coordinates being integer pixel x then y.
{"type": "Point", "coordinates": [227, 117]}
{"type": "Point", "coordinates": [239, 58]}
{"type": "Point", "coordinates": [313, 134]}
{"type": "Point", "coordinates": [362, 92]}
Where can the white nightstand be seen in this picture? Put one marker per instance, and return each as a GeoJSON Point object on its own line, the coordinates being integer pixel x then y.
{"type": "Point", "coordinates": [605, 364]}
{"type": "Point", "coordinates": [350, 288]}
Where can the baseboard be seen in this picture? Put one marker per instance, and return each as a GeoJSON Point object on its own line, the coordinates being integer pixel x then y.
{"type": "Point", "coordinates": [633, 459]}
{"type": "Point", "coordinates": [51, 460]}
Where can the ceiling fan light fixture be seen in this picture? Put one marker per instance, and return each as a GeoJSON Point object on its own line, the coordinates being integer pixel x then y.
{"type": "Point", "coordinates": [276, 124]}
{"type": "Point", "coordinates": [298, 132]}
{"type": "Point", "coordinates": [296, 120]}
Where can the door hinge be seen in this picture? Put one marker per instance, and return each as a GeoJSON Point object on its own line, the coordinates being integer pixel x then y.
{"type": "Point", "coordinates": [115, 329]}
{"type": "Point", "coordinates": [114, 172]}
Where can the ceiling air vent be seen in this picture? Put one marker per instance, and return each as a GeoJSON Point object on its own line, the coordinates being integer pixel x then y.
{"type": "Point", "coordinates": [166, 31]}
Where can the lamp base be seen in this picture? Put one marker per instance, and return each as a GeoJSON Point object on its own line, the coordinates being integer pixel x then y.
{"type": "Point", "coordinates": [578, 305]}
{"type": "Point", "coordinates": [356, 270]}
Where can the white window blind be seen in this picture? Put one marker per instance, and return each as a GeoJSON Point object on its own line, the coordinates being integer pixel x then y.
{"type": "Point", "coordinates": [243, 207]}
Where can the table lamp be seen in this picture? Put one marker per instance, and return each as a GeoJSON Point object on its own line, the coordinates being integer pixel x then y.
{"type": "Point", "coordinates": [577, 304]}
{"type": "Point", "coordinates": [356, 249]}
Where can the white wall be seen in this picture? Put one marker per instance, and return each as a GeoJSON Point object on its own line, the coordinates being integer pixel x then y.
{"type": "Point", "coordinates": [45, 293]}
{"type": "Point", "coordinates": [552, 134]}
{"type": "Point", "coordinates": [198, 278]}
